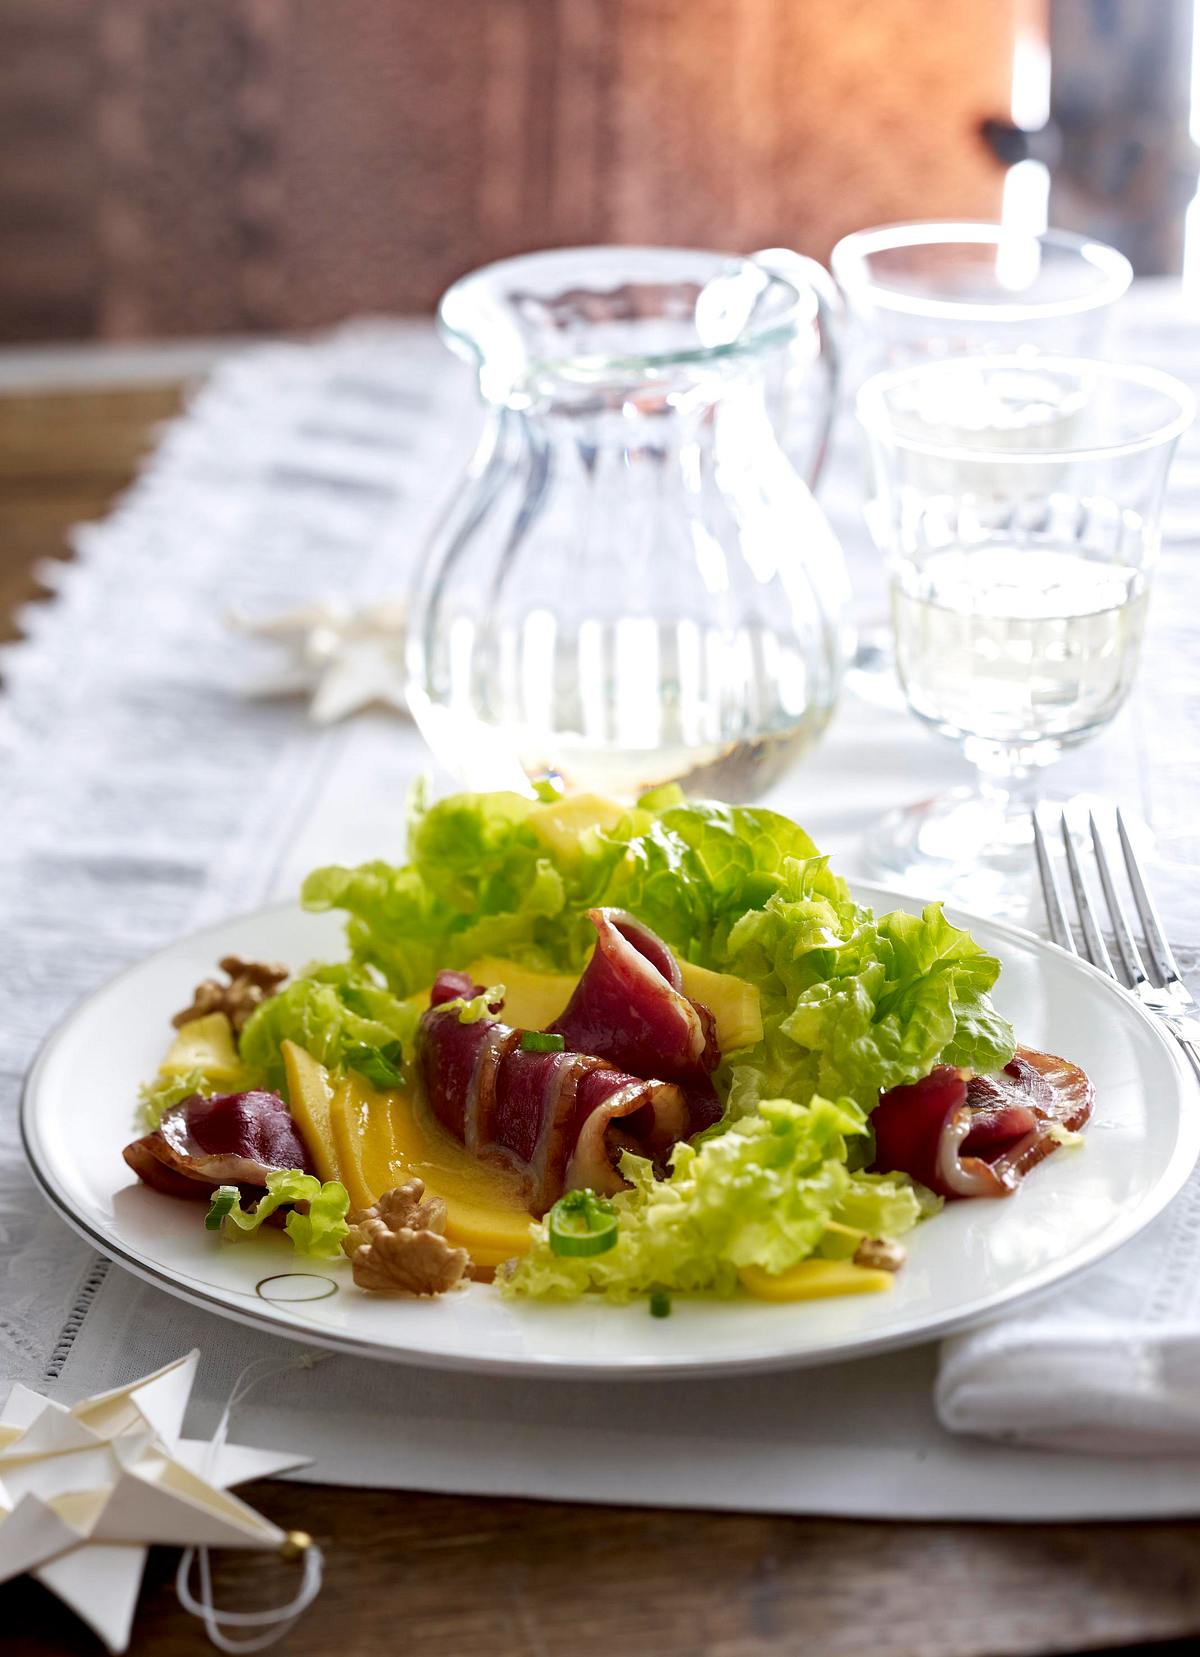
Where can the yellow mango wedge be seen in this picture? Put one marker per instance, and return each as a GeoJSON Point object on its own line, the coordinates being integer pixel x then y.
{"type": "Point", "coordinates": [485, 1208]}
{"type": "Point", "coordinates": [559, 823]}
{"type": "Point", "coordinates": [814, 1280]}
{"type": "Point", "coordinates": [373, 1140]}
{"type": "Point", "coordinates": [733, 1003]}
{"type": "Point", "coordinates": [531, 999]}
{"type": "Point", "coordinates": [309, 1098]}
{"type": "Point", "coordinates": [348, 1133]}
{"type": "Point", "coordinates": [205, 1044]}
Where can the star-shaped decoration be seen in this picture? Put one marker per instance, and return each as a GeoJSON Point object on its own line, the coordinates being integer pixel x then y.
{"type": "Point", "coordinates": [85, 1491]}
{"type": "Point", "coordinates": [343, 659]}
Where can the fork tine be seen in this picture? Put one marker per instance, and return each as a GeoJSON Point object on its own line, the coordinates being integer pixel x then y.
{"type": "Point", "coordinates": [1131, 957]}
{"type": "Point", "coordinates": [1093, 943]}
{"type": "Point", "coordinates": [1056, 915]}
{"type": "Point", "coordinates": [1156, 938]}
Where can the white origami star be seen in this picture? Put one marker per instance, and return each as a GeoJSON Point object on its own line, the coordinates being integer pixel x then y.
{"type": "Point", "coordinates": [84, 1491]}
{"type": "Point", "coordinates": [344, 659]}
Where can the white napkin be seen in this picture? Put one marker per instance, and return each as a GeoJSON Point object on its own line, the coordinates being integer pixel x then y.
{"type": "Point", "coordinates": [1109, 1364]}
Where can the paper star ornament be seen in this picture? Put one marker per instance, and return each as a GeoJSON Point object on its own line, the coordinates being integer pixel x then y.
{"type": "Point", "coordinates": [343, 659]}
{"type": "Point", "coordinates": [85, 1491]}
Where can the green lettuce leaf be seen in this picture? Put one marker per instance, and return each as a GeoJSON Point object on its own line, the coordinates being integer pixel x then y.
{"type": "Point", "coordinates": [156, 1098]}
{"type": "Point", "coordinates": [333, 1012]}
{"type": "Point", "coordinates": [382, 1066]}
{"type": "Point", "coordinates": [760, 1194]}
{"type": "Point", "coordinates": [855, 1005]}
{"type": "Point", "coordinates": [317, 1232]}
{"type": "Point", "coordinates": [852, 1004]}
{"type": "Point", "coordinates": [480, 881]}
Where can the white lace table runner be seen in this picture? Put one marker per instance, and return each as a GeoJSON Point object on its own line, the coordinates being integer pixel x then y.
{"type": "Point", "coordinates": [145, 795]}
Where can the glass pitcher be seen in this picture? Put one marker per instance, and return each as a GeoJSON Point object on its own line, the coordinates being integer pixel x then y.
{"type": "Point", "coordinates": [634, 585]}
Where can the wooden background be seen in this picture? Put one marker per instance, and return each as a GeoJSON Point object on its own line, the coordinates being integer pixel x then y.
{"type": "Point", "coordinates": [203, 166]}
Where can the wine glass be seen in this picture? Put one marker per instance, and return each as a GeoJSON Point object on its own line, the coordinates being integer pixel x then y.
{"type": "Point", "coordinates": [926, 290]}
{"type": "Point", "coordinates": [914, 291]}
{"type": "Point", "coordinates": [1017, 501]}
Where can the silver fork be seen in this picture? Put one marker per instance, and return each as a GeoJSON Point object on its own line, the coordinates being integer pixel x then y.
{"type": "Point", "coordinates": [1169, 998]}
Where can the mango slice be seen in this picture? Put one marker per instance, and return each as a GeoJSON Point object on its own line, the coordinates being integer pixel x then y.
{"type": "Point", "coordinates": [733, 1002]}
{"type": "Point", "coordinates": [531, 999]}
{"type": "Point", "coordinates": [347, 1131]}
{"type": "Point", "coordinates": [814, 1280]}
{"type": "Point", "coordinates": [559, 823]}
{"type": "Point", "coordinates": [485, 1208]}
{"type": "Point", "coordinates": [373, 1140]}
{"type": "Point", "coordinates": [205, 1044]}
{"type": "Point", "coordinates": [309, 1098]}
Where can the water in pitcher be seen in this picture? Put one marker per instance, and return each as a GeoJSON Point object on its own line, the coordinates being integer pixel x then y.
{"type": "Point", "coordinates": [621, 706]}
{"type": "Point", "coordinates": [1017, 644]}
{"type": "Point", "coordinates": [634, 584]}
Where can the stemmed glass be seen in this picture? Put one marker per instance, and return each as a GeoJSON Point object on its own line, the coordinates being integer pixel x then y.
{"type": "Point", "coordinates": [1017, 502]}
{"type": "Point", "coordinates": [915, 291]}
{"type": "Point", "coordinates": [928, 290]}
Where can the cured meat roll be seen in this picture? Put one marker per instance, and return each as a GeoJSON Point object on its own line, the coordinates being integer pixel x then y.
{"type": "Point", "coordinates": [978, 1136]}
{"type": "Point", "coordinates": [629, 1007]}
{"type": "Point", "coordinates": [560, 1119]}
{"type": "Point", "coordinates": [229, 1139]}
{"type": "Point", "coordinates": [634, 1073]}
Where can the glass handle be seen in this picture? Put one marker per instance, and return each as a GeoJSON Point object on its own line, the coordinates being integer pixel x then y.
{"type": "Point", "coordinates": [803, 272]}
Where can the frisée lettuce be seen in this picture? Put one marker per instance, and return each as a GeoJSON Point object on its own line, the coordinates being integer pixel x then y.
{"type": "Point", "coordinates": [761, 1194]}
{"type": "Point", "coordinates": [341, 1016]}
{"type": "Point", "coordinates": [316, 1227]}
{"type": "Point", "coordinates": [852, 1003]}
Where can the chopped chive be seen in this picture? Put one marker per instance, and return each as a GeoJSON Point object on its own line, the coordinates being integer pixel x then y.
{"type": "Point", "coordinates": [660, 1304]}
{"type": "Point", "coordinates": [224, 1199]}
{"type": "Point", "coordinates": [541, 1041]}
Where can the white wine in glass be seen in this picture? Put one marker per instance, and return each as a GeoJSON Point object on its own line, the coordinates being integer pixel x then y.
{"type": "Point", "coordinates": [1019, 574]}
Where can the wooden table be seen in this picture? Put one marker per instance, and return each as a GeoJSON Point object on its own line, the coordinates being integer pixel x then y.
{"type": "Point", "coordinates": [480, 1578]}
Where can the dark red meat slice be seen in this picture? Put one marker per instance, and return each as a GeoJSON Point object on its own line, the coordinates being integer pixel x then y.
{"type": "Point", "coordinates": [979, 1136]}
{"type": "Point", "coordinates": [453, 986]}
{"type": "Point", "coordinates": [229, 1139]}
{"type": "Point", "coordinates": [551, 1117]}
{"type": "Point", "coordinates": [635, 1071]}
{"type": "Point", "coordinates": [458, 1070]}
{"type": "Point", "coordinates": [629, 1006]}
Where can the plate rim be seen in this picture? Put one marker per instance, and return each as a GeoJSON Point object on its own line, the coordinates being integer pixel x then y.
{"type": "Point", "coordinates": [758, 1360]}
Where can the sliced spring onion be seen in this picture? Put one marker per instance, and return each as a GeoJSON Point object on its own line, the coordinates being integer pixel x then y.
{"type": "Point", "coordinates": [224, 1198]}
{"type": "Point", "coordinates": [541, 1041]}
{"type": "Point", "coordinates": [660, 1304]}
{"type": "Point", "coordinates": [582, 1224]}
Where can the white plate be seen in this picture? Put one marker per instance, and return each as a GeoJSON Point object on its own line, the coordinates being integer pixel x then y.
{"type": "Point", "coordinates": [966, 1264]}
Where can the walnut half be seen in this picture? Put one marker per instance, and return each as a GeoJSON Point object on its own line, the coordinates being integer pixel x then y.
{"type": "Point", "coordinates": [880, 1253]}
{"type": "Point", "coordinates": [250, 984]}
{"type": "Point", "coordinates": [396, 1246]}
